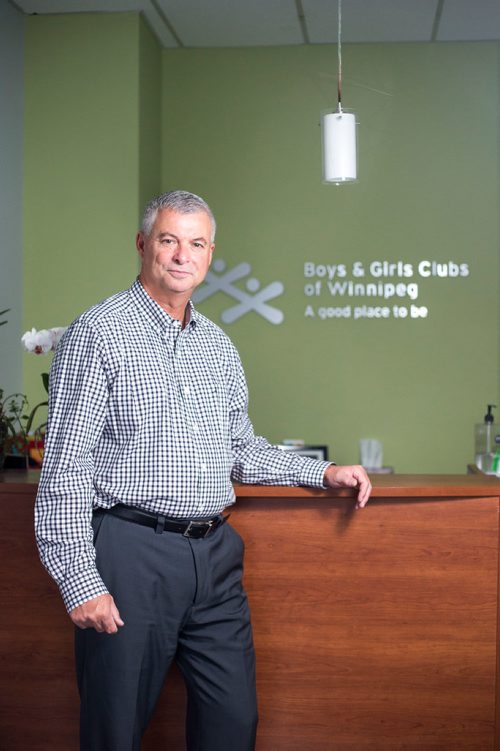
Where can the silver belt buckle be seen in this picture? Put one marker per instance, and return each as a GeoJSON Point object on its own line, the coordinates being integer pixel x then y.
{"type": "Point", "coordinates": [195, 525]}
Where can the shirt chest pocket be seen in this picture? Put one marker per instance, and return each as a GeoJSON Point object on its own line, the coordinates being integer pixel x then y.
{"type": "Point", "coordinates": [205, 395]}
{"type": "Point", "coordinates": [143, 395]}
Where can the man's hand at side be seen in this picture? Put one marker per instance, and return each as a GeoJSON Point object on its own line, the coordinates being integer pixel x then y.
{"type": "Point", "coordinates": [100, 613]}
{"type": "Point", "coordinates": [349, 477]}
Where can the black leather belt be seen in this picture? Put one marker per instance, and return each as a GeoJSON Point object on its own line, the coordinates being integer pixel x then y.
{"type": "Point", "coordinates": [195, 528]}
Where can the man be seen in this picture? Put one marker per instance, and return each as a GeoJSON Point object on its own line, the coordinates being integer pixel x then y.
{"type": "Point", "coordinates": [148, 424]}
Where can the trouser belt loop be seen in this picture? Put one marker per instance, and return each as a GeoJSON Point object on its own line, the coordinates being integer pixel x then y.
{"type": "Point", "coordinates": [160, 525]}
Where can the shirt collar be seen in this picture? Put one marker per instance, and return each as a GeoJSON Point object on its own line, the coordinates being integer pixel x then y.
{"type": "Point", "coordinates": [159, 318]}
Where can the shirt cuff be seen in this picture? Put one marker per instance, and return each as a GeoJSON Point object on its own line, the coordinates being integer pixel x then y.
{"type": "Point", "coordinates": [312, 473]}
{"type": "Point", "coordinates": [83, 586]}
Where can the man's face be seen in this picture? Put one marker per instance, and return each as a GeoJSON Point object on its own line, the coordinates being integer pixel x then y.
{"type": "Point", "coordinates": [175, 255]}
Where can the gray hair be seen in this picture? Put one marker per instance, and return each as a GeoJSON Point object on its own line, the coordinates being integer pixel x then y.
{"type": "Point", "coordinates": [175, 200]}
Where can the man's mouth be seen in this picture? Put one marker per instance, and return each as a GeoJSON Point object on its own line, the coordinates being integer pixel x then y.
{"type": "Point", "coordinates": [178, 273]}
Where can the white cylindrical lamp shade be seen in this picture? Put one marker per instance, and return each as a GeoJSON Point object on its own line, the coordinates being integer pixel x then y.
{"type": "Point", "coordinates": [339, 147]}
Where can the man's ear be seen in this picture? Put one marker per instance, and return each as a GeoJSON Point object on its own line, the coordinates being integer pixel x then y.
{"type": "Point", "coordinates": [139, 244]}
{"type": "Point", "coordinates": [212, 248]}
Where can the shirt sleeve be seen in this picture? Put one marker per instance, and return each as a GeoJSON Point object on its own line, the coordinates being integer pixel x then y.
{"type": "Point", "coordinates": [78, 394]}
{"type": "Point", "coordinates": [255, 460]}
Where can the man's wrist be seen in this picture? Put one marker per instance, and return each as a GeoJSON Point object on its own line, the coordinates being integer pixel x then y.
{"type": "Point", "coordinates": [328, 477]}
{"type": "Point", "coordinates": [82, 587]}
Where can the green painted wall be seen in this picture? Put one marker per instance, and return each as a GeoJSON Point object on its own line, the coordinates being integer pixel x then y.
{"type": "Point", "coordinates": [241, 127]}
{"type": "Point", "coordinates": [111, 119]}
{"type": "Point", "coordinates": [11, 190]}
{"type": "Point", "coordinates": [92, 145]}
{"type": "Point", "coordinates": [149, 116]}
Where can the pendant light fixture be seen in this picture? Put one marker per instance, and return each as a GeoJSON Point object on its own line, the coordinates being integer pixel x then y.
{"type": "Point", "coordinates": [339, 132]}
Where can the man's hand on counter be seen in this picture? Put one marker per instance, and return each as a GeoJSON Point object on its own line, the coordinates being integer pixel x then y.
{"type": "Point", "coordinates": [349, 477]}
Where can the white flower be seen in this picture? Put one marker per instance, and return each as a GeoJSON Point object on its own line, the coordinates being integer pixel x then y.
{"type": "Point", "coordinates": [43, 341]}
{"type": "Point", "coordinates": [56, 334]}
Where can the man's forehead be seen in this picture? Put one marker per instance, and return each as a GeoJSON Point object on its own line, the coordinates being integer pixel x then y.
{"type": "Point", "coordinates": [191, 219]}
{"type": "Point", "coordinates": [181, 215]}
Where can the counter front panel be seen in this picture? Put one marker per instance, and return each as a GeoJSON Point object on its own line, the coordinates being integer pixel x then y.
{"type": "Point", "coordinates": [374, 629]}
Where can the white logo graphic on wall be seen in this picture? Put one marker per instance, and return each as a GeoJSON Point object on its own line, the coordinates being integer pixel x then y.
{"type": "Point", "coordinates": [218, 279]}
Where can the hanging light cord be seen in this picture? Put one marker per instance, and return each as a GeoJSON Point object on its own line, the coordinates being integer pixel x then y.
{"type": "Point", "coordinates": [339, 53]}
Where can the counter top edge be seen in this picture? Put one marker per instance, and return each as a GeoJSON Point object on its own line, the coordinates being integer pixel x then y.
{"type": "Point", "coordinates": [384, 486]}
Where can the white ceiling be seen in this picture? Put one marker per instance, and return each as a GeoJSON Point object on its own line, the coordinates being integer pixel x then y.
{"type": "Point", "coordinates": [241, 23]}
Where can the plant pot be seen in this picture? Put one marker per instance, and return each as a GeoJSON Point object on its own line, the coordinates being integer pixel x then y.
{"type": "Point", "coordinates": [3, 438]}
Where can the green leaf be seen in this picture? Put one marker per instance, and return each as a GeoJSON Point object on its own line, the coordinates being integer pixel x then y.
{"type": "Point", "coordinates": [32, 415]}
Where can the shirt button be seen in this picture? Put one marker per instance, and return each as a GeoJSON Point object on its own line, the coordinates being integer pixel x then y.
{"type": "Point", "coordinates": [203, 467]}
{"type": "Point", "coordinates": [187, 390]}
{"type": "Point", "coordinates": [195, 427]}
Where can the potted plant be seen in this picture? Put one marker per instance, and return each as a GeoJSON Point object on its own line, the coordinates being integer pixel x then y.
{"type": "Point", "coordinates": [17, 433]}
{"type": "Point", "coordinates": [4, 430]}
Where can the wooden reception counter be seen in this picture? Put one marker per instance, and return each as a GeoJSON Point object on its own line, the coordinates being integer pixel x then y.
{"type": "Point", "coordinates": [374, 630]}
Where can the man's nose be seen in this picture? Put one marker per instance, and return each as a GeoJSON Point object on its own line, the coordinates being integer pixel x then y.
{"type": "Point", "coordinates": [181, 254]}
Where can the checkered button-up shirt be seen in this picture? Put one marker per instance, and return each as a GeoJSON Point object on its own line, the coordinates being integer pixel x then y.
{"type": "Point", "coordinates": [145, 413]}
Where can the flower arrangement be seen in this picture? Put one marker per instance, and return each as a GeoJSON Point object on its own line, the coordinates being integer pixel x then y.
{"type": "Point", "coordinates": [17, 434]}
{"type": "Point", "coordinates": [43, 341]}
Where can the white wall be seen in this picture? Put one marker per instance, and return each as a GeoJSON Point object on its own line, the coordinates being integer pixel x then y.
{"type": "Point", "coordinates": [11, 193]}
